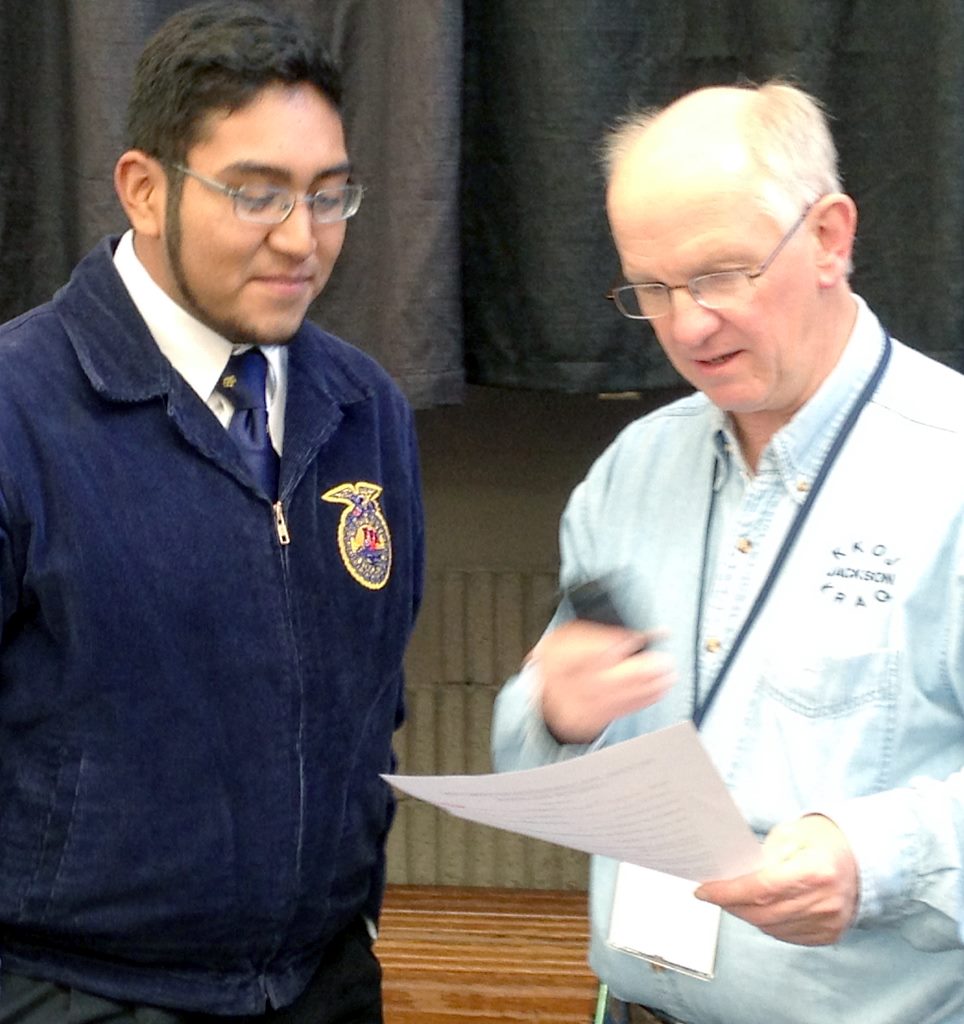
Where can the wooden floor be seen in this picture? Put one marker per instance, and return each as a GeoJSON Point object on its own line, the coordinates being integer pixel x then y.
{"type": "Point", "coordinates": [453, 954]}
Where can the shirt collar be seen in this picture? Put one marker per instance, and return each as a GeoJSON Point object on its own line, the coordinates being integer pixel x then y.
{"type": "Point", "coordinates": [797, 451]}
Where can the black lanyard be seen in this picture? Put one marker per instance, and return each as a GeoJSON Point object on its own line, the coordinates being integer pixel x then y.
{"type": "Point", "coordinates": [701, 710]}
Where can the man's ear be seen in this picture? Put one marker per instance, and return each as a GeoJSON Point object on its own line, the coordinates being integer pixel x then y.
{"type": "Point", "coordinates": [834, 221]}
{"type": "Point", "coordinates": [141, 186]}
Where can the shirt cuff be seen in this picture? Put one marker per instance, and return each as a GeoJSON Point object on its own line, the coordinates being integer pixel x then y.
{"type": "Point", "coordinates": [883, 833]}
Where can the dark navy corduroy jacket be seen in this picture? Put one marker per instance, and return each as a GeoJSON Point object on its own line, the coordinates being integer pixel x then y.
{"type": "Point", "coordinates": [198, 687]}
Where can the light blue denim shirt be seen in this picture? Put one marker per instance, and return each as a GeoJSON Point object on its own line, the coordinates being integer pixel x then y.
{"type": "Point", "coordinates": [847, 697]}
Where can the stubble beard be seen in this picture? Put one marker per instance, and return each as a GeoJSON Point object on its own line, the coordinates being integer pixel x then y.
{"type": "Point", "coordinates": [232, 330]}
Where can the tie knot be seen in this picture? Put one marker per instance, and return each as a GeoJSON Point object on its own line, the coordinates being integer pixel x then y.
{"type": "Point", "coordinates": [243, 379]}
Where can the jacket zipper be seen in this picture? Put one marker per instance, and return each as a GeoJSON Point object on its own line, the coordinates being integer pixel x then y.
{"type": "Point", "coordinates": [284, 539]}
{"type": "Point", "coordinates": [281, 524]}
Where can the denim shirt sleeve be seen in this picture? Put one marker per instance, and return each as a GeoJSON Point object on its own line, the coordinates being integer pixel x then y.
{"type": "Point", "coordinates": [909, 841]}
{"type": "Point", "coordinates": [520, 737]}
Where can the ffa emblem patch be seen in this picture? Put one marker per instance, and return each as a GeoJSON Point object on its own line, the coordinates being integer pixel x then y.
{"type": "Point", "coordinates": [363, 538]}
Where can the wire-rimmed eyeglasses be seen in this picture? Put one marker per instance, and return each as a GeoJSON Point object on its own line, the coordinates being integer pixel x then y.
{"type": "Point", "coordinates": [722, 289]}
{"type": "Point", "coordinates": [268, 204]}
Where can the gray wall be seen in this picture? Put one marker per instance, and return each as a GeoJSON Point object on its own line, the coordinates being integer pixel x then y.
{"type": "Point", "coordinates": [497, 471]}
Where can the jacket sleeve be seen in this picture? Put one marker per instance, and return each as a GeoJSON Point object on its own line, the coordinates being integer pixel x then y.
{"type": "Point", "coordinates": [10, 577]}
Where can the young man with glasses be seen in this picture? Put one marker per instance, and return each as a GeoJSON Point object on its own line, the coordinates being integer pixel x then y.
{"type": "Point", "coordinates": [797, 527]}
{"type": "Point", "coordinates": [210, 563]}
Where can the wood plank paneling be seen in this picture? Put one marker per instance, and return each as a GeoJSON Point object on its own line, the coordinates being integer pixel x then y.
{"type": "Point", "coordinates": [460, 954]}
{"type": "Point", "coordinates": [475, 627]}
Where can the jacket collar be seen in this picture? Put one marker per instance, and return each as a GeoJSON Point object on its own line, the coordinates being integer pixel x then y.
{"type": "Point", "coordinates": [121, 360]}
{"type": "Point", "coordinates": [123, 363]}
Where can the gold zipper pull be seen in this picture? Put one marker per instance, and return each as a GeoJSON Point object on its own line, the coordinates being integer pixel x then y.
{"type": "Point", "coordinates": [281, 524]}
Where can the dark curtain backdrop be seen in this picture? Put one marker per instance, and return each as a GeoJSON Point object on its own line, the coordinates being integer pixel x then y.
{"type": "Point", "coordinates": [481, 254]}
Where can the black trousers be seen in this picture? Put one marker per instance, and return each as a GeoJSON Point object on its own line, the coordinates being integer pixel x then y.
{"type": "Point", "coordinates": [346, 989]}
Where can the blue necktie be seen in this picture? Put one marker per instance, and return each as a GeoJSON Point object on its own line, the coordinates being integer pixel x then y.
{"type": "Point", "coordinates": [243, 383]}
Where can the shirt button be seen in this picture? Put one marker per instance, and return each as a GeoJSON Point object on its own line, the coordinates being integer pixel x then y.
{"type": "Point", "coordinates": [713, 645]}
{"type": "Point", "coordinates": [743, 545]}
{"type": "Point", "coordinates": [803, 486]}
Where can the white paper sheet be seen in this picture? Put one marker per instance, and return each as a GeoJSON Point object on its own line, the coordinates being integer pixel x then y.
{"type": "Point", "coordinates": [656, 801]}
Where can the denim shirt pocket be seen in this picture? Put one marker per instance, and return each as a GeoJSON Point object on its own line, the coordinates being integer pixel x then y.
{"type": "Point", "coordinates": [817, 730]}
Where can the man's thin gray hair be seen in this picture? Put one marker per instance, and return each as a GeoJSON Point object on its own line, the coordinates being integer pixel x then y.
{"type": "Point", "coordinates": [788, 135]}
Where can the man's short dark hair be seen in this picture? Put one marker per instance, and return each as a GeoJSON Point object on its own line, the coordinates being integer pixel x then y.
{"type": "Point", "coordinates": [218, 56]}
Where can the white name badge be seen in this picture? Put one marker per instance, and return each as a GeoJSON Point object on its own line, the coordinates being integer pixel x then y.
{"type": "Point", "coordinates": [656, 917]}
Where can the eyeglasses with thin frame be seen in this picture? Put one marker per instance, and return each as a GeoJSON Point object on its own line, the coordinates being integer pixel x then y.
{"type": "Point", "coordinates": [267, 204]}
{"type": "Point", "coordinates": [722, 289]}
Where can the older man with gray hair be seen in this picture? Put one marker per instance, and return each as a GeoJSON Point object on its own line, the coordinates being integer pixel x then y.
{"type": "Point", "coordinates": [795, 526]}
